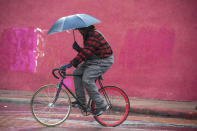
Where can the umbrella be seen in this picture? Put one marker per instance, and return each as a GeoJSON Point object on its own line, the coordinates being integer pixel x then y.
{"type": "Point", "coordinates": [72, 22]}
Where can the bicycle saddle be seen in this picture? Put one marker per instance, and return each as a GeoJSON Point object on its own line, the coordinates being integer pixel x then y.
{"type": "Point", "coordinates": [100, 77]}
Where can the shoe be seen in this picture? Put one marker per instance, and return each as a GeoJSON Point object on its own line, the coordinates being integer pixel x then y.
{"type": "Point", "coordinates": [99, 111]}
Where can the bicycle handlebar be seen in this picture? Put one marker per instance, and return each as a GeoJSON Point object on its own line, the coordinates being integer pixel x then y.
{"type": "Point", "coordinates": [62, 73]}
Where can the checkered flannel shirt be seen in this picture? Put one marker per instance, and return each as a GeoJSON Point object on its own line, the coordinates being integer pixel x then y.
{"type": "Point", "coordinates": [94, 44]}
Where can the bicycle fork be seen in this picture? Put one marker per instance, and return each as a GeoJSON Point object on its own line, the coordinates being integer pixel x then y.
{"type": "Point", "coordinates": [58, 92]}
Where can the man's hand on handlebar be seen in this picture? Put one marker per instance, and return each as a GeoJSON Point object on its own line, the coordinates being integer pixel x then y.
{"type": "Point", "coordinates": [63, 67]}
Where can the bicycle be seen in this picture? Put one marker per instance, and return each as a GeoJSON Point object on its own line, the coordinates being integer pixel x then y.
{"type": "Point", "coordinates": [51, 104]}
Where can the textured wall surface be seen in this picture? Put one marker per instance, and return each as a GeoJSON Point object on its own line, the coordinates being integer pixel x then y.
{"type": "Point", "coordinates": [154, 43]}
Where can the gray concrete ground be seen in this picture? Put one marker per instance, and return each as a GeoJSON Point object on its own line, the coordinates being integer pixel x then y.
{"type": "Point", "coordinates": [18, 117]}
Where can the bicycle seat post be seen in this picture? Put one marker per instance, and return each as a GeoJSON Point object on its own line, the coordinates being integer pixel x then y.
{"type": "Point", "coordinates": [99, 81]}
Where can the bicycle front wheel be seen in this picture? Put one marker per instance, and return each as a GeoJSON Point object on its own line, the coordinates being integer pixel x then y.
{"type": "Point", "coordinates": [119, 106]}
{"type": "Point", "coordinates": [45, 110]}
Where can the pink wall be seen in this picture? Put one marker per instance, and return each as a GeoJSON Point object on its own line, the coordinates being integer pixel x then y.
{"type": "Point", "coordinates": [154, 43]}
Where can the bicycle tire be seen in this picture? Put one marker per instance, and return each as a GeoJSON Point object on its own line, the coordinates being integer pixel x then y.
{"type": "Point", "coordinates": [118, 110]}
{"type": "Point", "coordinates": [44, 111]}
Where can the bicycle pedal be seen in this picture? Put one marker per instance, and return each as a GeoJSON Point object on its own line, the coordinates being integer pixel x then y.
{"type": "Point", "coordinates": [84, 113]}
{"type": "Point", "coordinates": [75, 106]}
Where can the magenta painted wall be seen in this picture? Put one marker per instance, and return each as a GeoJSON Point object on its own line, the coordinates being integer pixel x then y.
{"type": "Point", "coordinates": [154, 43]}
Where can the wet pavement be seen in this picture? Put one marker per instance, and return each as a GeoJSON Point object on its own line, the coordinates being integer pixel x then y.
{"type": "Point", "coordinates": [18, 117]}
{"type": "Point", "coordinates": [179, 109]}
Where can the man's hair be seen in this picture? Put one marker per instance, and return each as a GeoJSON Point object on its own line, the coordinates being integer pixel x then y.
{"type": "Point", "coordinates": [91, 27]}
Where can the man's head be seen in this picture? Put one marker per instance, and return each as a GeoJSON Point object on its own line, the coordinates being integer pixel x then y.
{"type": "Point", "coordinates": [85, 30]}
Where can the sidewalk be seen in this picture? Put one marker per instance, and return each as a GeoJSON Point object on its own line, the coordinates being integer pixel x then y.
{"type": "Point", "coordinates": [141, 106]}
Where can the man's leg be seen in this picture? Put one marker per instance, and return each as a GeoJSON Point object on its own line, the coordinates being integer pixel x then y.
{"type": "Point", "coordinates": [95, 68]}
{"type": "Point", "coordinates": [91, 73]}
{"type": "Point", "coordinates": [79, 89]}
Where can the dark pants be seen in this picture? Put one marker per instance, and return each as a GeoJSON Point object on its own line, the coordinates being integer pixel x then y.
{"type": "Point", "coordinates": [90, 71]}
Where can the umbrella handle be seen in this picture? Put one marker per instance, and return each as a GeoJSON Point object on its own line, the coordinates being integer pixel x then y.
{"type": "Point", "coordinates": [74, 35]}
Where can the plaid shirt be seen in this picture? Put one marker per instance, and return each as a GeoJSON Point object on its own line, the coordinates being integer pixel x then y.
{"type": "Point", "coordinates": [95, 44]}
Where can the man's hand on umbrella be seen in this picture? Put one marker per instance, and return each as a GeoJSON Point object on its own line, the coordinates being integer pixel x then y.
{"type": "Point", "coordinates": [76, 47]}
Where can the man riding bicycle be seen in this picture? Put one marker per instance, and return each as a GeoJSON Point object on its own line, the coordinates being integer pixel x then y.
{"type": "Point", "coordinates": [97, 58]}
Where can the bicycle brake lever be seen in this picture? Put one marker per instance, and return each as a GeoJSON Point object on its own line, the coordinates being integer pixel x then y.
{"type": "Point", "coordinates": [64, 72]}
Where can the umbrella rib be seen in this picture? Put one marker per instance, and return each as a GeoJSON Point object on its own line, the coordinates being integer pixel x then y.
{"type": "Point", "coordinates": [62, 26]}
{"type": "Point", "coordinates": [81, 19]}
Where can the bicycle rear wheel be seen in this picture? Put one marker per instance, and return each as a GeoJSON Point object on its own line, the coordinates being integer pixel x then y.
{"type": "Point", "coordinates": [119, 106]}
{"type": "Point", "coordinates": [43, 109]}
